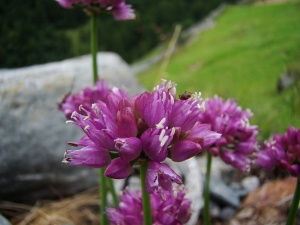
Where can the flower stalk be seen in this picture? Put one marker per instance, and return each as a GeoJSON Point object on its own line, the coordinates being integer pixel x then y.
{"type": "Point", "coordinates": [102, 180]}
{"type": "Point", "coordinates": [295, 204]}
{"type": "Point", "coordinates": [113, 191]}
{"type": "Point", "coordinates": [145, 196]}
{"type": "Point", "coordinates": [94, 46]}
{"type": "Point", "coordinates": [103, 193]}
{"type": "Point", "coordinates": [206, 189]}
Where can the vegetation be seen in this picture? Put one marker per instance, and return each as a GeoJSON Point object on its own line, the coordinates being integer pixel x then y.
{"type": "Point", "coordinates": [242, 57]}
{"type": "Point", "coordinates": [39, 31]}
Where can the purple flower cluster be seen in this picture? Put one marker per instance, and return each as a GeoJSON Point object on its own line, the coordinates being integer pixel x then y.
{"type": "Point", "coordinates": [238, 139]}
{"type": "Point", "coordinates": [121, 132]}
{"type": "Point", "coordinates": [283, 150]}
{"type": "Point", "coordinates": [174, 211]}
{"type": "Point", "coordinates": [119, 9]}
{"type": "Point", "coordinates": [86, 98]}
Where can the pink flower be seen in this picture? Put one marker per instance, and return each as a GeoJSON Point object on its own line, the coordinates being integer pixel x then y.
{"type": "Point", "coordinates": [283, 151]}
{"type": "Point", "coordinates": [160, 177]}
{"type": "Point", "coordinates": [174, 210]}
{"type": "Point", "coordinates": [238, 140]}
{"type": "Point", "coordinates": [131, 131]}
{"type": "Point", "coordinates": [67, 3]}
{"type": "Point", "coordinates": [86, 98]}
{"type": "Point", "coordinates": [119, 9]}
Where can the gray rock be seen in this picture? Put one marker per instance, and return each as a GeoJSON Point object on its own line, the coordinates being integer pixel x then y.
{"type": "Point", "coordinates": [226, 213]}
{"type": "Point", "coordinates": [285, 81]}
{"type": "Point", "coordinates": [33, 132]}
{"type": "Point", "coordinates": [214, 209]}
{"type": "Point", "coordinates": [250, 183]}
{"type": "Point", "coordinates": [223, 194]}
{"type": "Point", "coordinates": [4, 221]}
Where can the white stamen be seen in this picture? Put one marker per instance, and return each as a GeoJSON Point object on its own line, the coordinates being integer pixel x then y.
{"type": "Point", "coordinates": [87, 117]}
{"type": "Point", "coordinates": [162, 134]}
{"type": "Point", "coordinates": [73, 114]}
{"type": "Point", "coordinates": [163, 141]}
{"type": "Point", "coordinates": [65, 161]}
{"type": "Point", "coordinates": [172, 99]}
{"type": "Point", "coordinates": [80, 107]}
{"type": "Point", "coordinates": [249, 112]}
{"type": "Point", "coordinates": [245, 122]}
{"type": "Point", "coordinates": [164, 96]}
{"type": "Point", "coordinates": [201, 107]}
{"type": "Point", "coordinates": [87, 127]}
{"type": "Point", "coordinates": [96, 109]}
{"type": "Point", "coordinates": [197, 96]}
{"type": "Point", "coordinates": [69, 121]}
{"type": "Point", "coordinates": [173, 131]}
{"type": "Point", "coordinates": [160, 124]}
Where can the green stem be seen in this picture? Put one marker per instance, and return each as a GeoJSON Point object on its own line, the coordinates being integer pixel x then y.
{"type": "Point", "coordinates": [113, 192]}
{"type": "Point", "coordinates": [206, 189]}
{"type": "Point", "coordinates": [103, 191]}
{"type": "Point", "coordinates": [145, 196]}
{"type": "Point", "coordinates": [295, 204]}
{"type": "Point", "coordinates": [94, 45]}
{"type": "Point", "coordinates": [102, 179]}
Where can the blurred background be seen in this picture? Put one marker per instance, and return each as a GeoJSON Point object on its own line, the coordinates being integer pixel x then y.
{"type": "Point", "coordinates": [248, 50]}
{"type": "Point", "coordinates": [251, 53]}
{"type": "Point", "coordinates": [40, 31]}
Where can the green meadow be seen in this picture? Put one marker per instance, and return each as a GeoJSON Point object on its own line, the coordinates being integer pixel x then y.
{"type": "Point", "coordinates": [242, 57]}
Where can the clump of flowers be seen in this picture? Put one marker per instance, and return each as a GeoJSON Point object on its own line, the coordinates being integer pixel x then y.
{"type": "Point", "coordinates": [121, 132]}
{"type": "Point", "coordinates": [84, 98]}
{"type": "Point", "coordinates": [238, 140]}
{"type": "Point", "coordinates": [283, 151]}
{"type": "Point", "coordinates": [175, 210]}
{"type": "Point", "coordinates": [119, 9]}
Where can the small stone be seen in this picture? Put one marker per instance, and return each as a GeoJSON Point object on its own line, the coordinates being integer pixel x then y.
{"type": "Point", "coordinates": [214, 209]}
{"type": "Point", "coordinates": [4, 221]}
{"type": "Point", "coordinates": [223, 194]}
{"type": "Point", "coordinates": [134, 183]}
{"type": "Point", "coordinates": [250, 183]}
{"type": "Point", "coordinates": [226, 213]}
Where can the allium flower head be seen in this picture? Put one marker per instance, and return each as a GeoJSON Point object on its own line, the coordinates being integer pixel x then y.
{"type": "Point", "coordinates": [174, 211]}
{"type": "Point", "coordinates": [119, 9]}
{"type": "Point", "coordinates": [282, 150]}
{"type": "Point", "coordinates": [238, 139]}
{"type": "Point", "coordinates": [86, 98]}
{"type": "Point", "coordinates": [141, 129]}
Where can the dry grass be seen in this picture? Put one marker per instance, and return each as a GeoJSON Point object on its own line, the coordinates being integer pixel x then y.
{"type": "Point", "coordinates": [82, 208]}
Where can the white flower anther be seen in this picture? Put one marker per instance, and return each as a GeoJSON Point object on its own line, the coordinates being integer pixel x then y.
{"type": "Point", "coordinates": [87, 127]}
{"type": "Point", "coordinates": [160, 124]}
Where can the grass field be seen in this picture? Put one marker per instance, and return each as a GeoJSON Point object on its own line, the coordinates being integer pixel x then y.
{"type": "Point", "coordinates": [242, 57]}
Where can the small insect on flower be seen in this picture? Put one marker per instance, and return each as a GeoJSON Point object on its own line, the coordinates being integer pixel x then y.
{"type": "Point", "coordinates": [186, 95]}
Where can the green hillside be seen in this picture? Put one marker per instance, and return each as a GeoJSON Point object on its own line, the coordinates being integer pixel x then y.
{"type": "Point", "coordinates": [242, 57]}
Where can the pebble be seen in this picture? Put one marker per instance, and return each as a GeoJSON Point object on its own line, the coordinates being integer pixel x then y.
{"type": "Point", "coordinates": [4, 221]}
{"type": "Point", "coordinates": [250, 183]}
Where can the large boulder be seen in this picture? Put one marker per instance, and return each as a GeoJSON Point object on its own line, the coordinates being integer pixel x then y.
{"type": "Point", "coordinates": [34, 133]}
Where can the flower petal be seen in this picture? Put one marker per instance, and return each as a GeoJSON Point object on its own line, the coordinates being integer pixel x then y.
{"type": "Point", "coordinates": [184, 150]}
{"type": "Point", "coordinates": [129, 148]}
{"type": "Point", "coordinates": [118, 169]}
{"type": "Point", "coordinates": [90, 156]}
